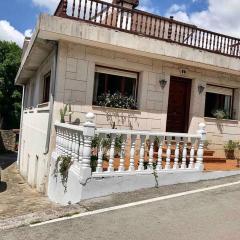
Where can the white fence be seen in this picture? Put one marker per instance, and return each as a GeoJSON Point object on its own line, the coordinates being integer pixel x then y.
{"type": "Point", "coordinates": [118, 152]}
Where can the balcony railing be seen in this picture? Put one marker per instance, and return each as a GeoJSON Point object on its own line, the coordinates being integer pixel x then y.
{"type": "Point", "coordinates": [118, 152]}
{"type": "Point", "coordinates": [148, 25]}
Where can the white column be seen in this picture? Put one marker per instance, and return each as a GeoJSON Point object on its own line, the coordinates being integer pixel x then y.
{"type": "Point", "coordinates": [122, 154]}
{"type": "Point", "coordinates": [112, 152]}
{"type": "Point", "coordinates": [168, 158]}
{"type": "Point", "coordinates": [192, 154]}
{"type": "Point", "coordinates": [58, 141]}
{"type": "Point", "coordinates": [184, 155]}
{"type": "Point", "coordinates": [202, 132]}
{"type": "Point", "coordinates": [151, 153]}
{"type": "Point", "coordinates": [132, 153]}
{"type": "Point", "coordinates": [176, 157]}
{"type": "Point", "coordinates": [160, 152]}
{"type": "Point", "coordinates": [88, 132]}
{"type": "Point", "coordinates": [99, 168]}
{"type": "Point", "coordinates": [142, 153]}
{"type": "Point", "coordinates": [74, 147]}
{"type": "Point", "coordinates": [81, 142]}
{"type": "Point", "coordinates": [65, 142]}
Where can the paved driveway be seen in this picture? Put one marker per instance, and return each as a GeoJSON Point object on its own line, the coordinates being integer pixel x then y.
{"type": "Point", "coordinates": [208, 215]}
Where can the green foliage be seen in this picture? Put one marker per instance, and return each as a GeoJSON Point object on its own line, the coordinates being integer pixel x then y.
{"type": "Point", "coordinates": [231, 145]}
{"type": "Point", "coordinates": [106, 143]}
{"type": "Point", "coordinates": [10, 95]}
{"type": "Point", "coordinates": [62, 167]}
{"type": "Point", "coordinates": [220, 114]}
{"type": "Point", "coordinates": [117, 100]}
{"type": "Point", "coordinates": [67, 110]}
{"type": "Point", "coordinates": [206, 144]}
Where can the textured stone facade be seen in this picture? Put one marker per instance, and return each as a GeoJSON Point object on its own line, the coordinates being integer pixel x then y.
{"type": "Point", "coordinates": [7, 140]}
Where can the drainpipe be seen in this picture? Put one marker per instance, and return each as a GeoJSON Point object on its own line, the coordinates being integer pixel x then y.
{"type": "Point", "coordinates": [20, 130]}
{"type": "Point", "coordinates": [51, 100]}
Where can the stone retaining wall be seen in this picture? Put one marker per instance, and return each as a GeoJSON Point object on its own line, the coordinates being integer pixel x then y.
{"type": "Point", "coordinates": [8, 140]}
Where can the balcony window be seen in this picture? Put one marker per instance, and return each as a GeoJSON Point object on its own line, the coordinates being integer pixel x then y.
{"type": "Point", "coordinates": [219, 102]}
{"type": "Point", "coordinates": [46, 88]}
{"type": "Point", "coordinates": [115, 88]}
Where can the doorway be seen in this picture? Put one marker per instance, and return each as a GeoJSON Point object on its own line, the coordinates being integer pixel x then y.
{"type": "Point", "coordinates": [179, 104]}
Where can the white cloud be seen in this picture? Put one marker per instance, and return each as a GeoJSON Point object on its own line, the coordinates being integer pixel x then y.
{"type": "Point", "coordinates": [9, 33]}
{"type": "Point", "coordinates": [51, 5]}
{"type": "Point", "coordinates": [220, 16]}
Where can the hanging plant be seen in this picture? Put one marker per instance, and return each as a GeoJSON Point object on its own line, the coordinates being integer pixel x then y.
{"type": "Point", "coordinates": [62, 167]}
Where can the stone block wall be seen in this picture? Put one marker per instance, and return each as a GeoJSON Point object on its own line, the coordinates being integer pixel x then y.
{"type": "Point", "coordinates": [7, 140]}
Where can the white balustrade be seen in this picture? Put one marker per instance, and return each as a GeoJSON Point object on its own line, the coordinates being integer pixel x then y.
{"type": "Point", "coordinates": [122, 154]}
{"type": "Point", "coordinates": [112, 152]}
{"type": "Point", "coordinates": [160, 152]}
{"type": "Point", "coordinates": [142, 153]}
{"type": "Point", "coordinates": [132, 153]}
{"type": "Point", "coordinates": [76, 141]}
{"type": "Point", "coordinates": [184, 156]}
{"type": "Point", "coordinates": [176, 158]}
{"type": "Point", "coordinates": [168, 158]}
{"type": "Point", "coordinates": [151, 153]}
{"type": "Point", "coordinates": [192, 153]}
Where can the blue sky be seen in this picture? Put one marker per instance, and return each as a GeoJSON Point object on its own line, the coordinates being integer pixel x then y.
{"type": "Point", "coordinates": [18, 17]}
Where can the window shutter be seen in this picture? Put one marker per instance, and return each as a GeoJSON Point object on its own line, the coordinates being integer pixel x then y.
{"type": "Point", "coordinates": [219, 90]}
{"type": "Point", "coordinates": [116, 72]}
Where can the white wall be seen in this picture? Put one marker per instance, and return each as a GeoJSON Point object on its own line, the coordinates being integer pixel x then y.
{"type": "Point", "coordinates": [34, 164]}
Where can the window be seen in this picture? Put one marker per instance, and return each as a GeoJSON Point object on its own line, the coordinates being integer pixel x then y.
{"type": "Point", "coordinates": [113, 81]}
{"type": "Point", "coordinates": [46, 87]}
{"type": "Point", "coordinates": [219, 100]}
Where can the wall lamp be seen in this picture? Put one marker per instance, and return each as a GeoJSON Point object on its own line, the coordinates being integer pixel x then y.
{"type": "Point", "coordinates": [163, 83]}
{"type": "Point", "coordinates": [200, 89]}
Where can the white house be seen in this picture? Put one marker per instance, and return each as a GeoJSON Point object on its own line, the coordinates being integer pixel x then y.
{"type": "Point", "coordinates": [174, 75]}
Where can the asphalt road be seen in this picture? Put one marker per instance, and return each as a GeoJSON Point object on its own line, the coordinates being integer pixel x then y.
{"type": "Point", "coordinates": [207, 215]}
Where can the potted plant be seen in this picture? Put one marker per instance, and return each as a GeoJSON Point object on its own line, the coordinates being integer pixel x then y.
{"type": "Point", "coordinates": [220, 114]}
{"type": "Point", "coordinates": [206, 144]}
{"type": "Point", "coordinates": [230, 148]}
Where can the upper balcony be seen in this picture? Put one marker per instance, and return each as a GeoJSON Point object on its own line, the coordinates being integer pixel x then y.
{"type": "Point", "coordinates": [123, 16]}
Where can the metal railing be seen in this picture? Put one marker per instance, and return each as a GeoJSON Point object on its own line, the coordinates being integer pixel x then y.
{"type": "Point", "coordinates": [149, 25]}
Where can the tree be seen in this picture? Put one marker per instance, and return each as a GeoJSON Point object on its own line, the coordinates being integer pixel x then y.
{"type": "Point", "coordinates": [10, 95]}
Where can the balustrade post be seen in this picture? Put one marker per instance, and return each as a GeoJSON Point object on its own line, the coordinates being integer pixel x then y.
{"type": "Point", "coordinates": [112, 152]}
{"type": "Point", "coordinates": [88, 134]}
{"type": "Point", "coordinates": [99, 168]}
{"type": "Point", "coordinates": [141, 155]}
{"type": "Point", "coordinates": [81, 141]}
{"type": "Point", "coordinates": [122, 154]}
{"type": "Point", "coordinates": [202, 131]}
{"type": "Point", "coordinates": [132, 153]}
{"type": "Point", "coordinates": [168, 158]}
{"type": "Point", "coordinates": [151, 153]}
{"type": "Point", "coordinates": [192, 153]}
{"type": "Point", "coordinates": [64, 9]}
{"type": "Point", "coordinates": [176, 158]}
{"type": "Point", "coordinates": [160, 152]}
{"type": "Point", "coordinates": [170, 28]}
{"type": "Point", "coordinates": [184, 155]}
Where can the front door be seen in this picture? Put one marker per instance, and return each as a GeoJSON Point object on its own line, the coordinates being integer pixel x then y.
{"type": "Point", "coordinates": [178, 105]}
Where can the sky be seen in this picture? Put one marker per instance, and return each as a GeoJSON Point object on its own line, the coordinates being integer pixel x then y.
{"type": "Point", "coordinates": [18, 17]}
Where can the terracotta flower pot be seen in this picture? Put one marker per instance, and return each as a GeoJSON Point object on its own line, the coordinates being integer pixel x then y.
{"type": "Point", "coordinates": [230, 154]}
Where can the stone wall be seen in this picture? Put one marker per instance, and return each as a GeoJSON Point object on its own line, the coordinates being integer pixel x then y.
{"type": "Point", "coordinates": [7, 140]}
{"type": "Point", "coordinates": [76, 83]}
